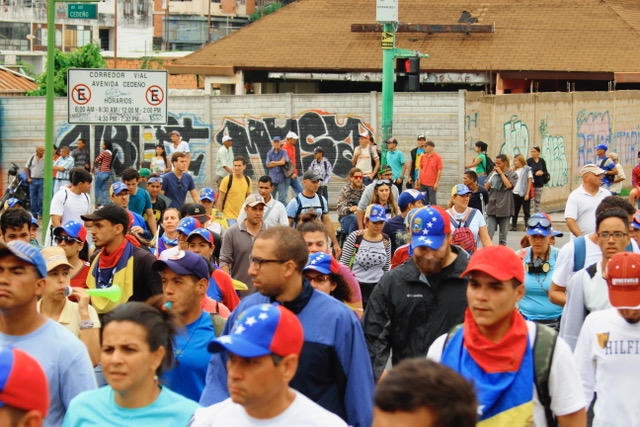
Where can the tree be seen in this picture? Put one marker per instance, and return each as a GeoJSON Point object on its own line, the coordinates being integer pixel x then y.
{"type": "Point", "coordinates": [264, 11]}
{"type": "Point", "coordinates": [87, 56]}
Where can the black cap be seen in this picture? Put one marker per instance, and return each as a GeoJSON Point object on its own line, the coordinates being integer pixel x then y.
{"type": "Point", "coordinates": [112, 213]}
{"type": "Point", "coordinates": [318, 150]}
{"type": "Point", "coordinates": [198, 212]}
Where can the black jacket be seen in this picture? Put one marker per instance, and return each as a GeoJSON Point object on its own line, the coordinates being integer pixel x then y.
{"type": "Point", "coordinates": [406, 315]}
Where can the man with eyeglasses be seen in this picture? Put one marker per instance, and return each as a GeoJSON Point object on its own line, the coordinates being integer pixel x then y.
{"type": "Point", "coordinates": [239, 239]}
{"type": "Point", "coordinates": [334, 368]}
{"type": "Point", "coordinates": [348, 201]}
{"type": "Point", "coordinates": [384, 176]}
{"type": "Point", "coordinates": [587, 290]}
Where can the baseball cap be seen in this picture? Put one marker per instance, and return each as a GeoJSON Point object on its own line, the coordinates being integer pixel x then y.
{"type": "Point", "coordinates": [144, 172]}
{"type": "Point", "coordinates": [23, 383]}
{"type": "Point", "coordinates": [254, 199]}
{"type": "Point", "coordinates": [188, 224]}
{"type": "Point", "coordinates": [623, 280]}
{"type": "Point", "coordinates": [375, 213]}
{"type": "Point", "coordinates": [54, 256]}
{"type": "Point", "coordinates": [429, 227]}
{"type": "Point", "coordinates": [112, 213]}
{"type": "Point", "coordinates": [226, 138]}
{"type": "Point", "coordinates": [34, 221]}
{"type": "Point", "coordinates": [118, 187]}
{"type": "Point", "coordinates": [556, 233]}
{"type": "Point", "coordinates": [208, 194]}
{"type": "Point", "coordinates": [204, 233]}
{"type": "Point", "coordinates": [392, 141]}
{"type": "Point", "coordinates": [184, 263]}
{"type": "Point", "coordinates": [460, 190]}
{"type": "Point", "coordinates": [364, 135]}
{"type": "Point", "coordinates": [261, 330]}
{"type": "Point", "coordinates": [602, 147]}
{"type": "Point", "coordinates": [28, 253]}
{"type": "Point", "coordinates": [540, 226]}
{"type": "Point", "coordinates": [291, 134]}
{"type": "Point", "coordinates": [409, 196]}
{"type": "Point", "coordinates": [175, 132]}
{"type": "Point", "coordinates": [12, 202]}
{"type": "Point", "coordinates": [318, 150]}
{"type": "Point", "coordinates": [498, 261]}
{"type": "Point", "coordinates": [73, 229]}
{"type": "Point", "coordinates": [198, 212]}
{"type": "Point", "coordinates": [322, 263]}
{"type": "Point", "coordinates": [384, 169]}
{"type": "Point", "coordinates": [312, 175]}
{"type": "Point", "coordinates": [276, 138]}
{"type": "Point", "coordinates": [591, 168]}
{"type": "Point", "coordinates": [421, 136]}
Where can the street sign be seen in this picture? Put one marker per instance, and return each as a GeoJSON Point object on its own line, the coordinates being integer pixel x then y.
{"type": "Point", "coordinates": [387, 10]}
{"type": "Point", "coordinates": [386, 41]}
{"type": "Point", "coordinates": [82, 11]}
{"type": "Point", "coordinates": [108, 96]}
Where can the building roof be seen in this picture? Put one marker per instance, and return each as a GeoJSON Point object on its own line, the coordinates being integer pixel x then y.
{"type": "Point", "coordinates": [13, 83]}
{"type": "Point", "coordinates": [530, 35]}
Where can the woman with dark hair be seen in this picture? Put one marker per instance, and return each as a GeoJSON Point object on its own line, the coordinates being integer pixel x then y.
{"type": "Point", "coordinates": [322, 272]}
{"type": "Point", "coordinates": [160, 163]}
{"type": "Point", "coordinates": [72, 237]}
{"type": "Point", "coordinates": [103, 172]}
{"type": "Point", "coordinates": [480, 162]}
{"type": "Point", "coordinates": [137, 346]}
{"type": "Point", "coordinates": [539, 169]}
{"type": "Point", "coordinates": [169, 238]}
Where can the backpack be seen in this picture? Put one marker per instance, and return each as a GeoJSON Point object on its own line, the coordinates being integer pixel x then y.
{"type": "Point", "coordinates": [580, 252]}
{"type": "Point", "coordinates": [218, 321]}
{"type": "Point", "coordinates": [300, 207]}
{"type": "Point", "coordinates": [462, 235]}
{"type": "Point", "coordinates": [246, 178]}
{"type": "Point", "coordinates": [544, 346]}
{"type": "Point", "coordinates": [607, 179]}
{"type": "Point", "coordinates": [488, 164]}
{"type": "Point", "coordinates": [288, 169]}
{"type": "Point", "coordinates": [356, 245]}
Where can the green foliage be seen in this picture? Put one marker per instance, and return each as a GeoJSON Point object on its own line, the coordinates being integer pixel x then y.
{"type": "Point", "coordinates": [27, 68]}
{"type": "Point", "coordinates": [148, 61]}
{"type": "Point", "coordinates": [264, 11]}
{"type": "Point", "coordinates": [87, 56]}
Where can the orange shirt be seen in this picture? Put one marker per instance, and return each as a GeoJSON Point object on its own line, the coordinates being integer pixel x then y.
{"type": "Point", "coordinates": [429, 167]}
{"type": "Point", "coordinates": [291, 152]}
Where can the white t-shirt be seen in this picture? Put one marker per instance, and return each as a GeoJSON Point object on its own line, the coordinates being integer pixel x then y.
{"type": "Point", "coordinates": [70, 206]}
{"type": "Point", "coordinates": [303, 412]}
{"type": "Point", "coordinates": [607, 357]}
{"type": "Point", "coordinates": [274, 214]}
{"type": "Point", "coordinates": [476, 222]}
{"type": "Point", "coordinates": [183, 147]}
{"type": "Point", "coordinates": [581, 206]}
{"type": "Point", "coordinates": [364, 158]}
{"type": "Point", "coordinates": [564, 381]}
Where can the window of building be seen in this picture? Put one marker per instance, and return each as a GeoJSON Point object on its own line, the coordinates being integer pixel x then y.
{"type": "Point", "coordinates": [13, 36]}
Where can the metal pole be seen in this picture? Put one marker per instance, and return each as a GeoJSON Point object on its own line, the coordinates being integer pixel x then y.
{"type": "Point", "coordinates": [48, 127]}
{"type": "Point", "coordinates": [387, 90]}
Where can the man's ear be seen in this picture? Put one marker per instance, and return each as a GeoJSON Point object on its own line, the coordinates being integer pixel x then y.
{"type": "Point", "coordinates": [40, 285]}
{"type": "Point", "coordinates": [202, 285]}
{"type": "Point", "coordinates": [289, 366]}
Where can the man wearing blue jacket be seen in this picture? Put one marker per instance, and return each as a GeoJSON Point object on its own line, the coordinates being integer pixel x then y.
{"type": "Point", "coordinates": [334, 370]}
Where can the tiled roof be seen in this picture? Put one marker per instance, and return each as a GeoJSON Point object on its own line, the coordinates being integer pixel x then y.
{"type": "Point", "coordinates": [531, 35]}
{"type": "Point", "coordinates": [12, 83]}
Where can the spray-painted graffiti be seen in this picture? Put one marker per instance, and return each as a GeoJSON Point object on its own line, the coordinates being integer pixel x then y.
{"type": "Point", "coordinates": [126, 141]}
{"type": "Point", "coordinates": [471, 122]}
{"type": "Point", "coordinates": [593, 129]}
{"type": "Point", "coordinates": [335, 135]}
{"type": "Point", "coordinates": [515, 138]}
{"type": "Point", "coordinates": [627, 144]}
{"type": "Point", "coordinates": [553, 152]}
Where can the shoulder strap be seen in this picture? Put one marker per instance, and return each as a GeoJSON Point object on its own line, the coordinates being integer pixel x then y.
{"type": "Point", "coordinates": [266, 214]}
{"type": "Point", "coordinates": [246, 179]}
{"type": "Point", "coordinates": [469, 217]}
{"type": "Point", "coordinates": [295, 218]}
{"type": "Point", "coordinates": [451, 333]}
{"type": "Point", "coordinates": [543, 349]}
{"type": "Point", "coordinates": [592, 269]}
{"type": "Point", "coordinates": [227, 192]}
{"type": "Point", "coordinates": [579, 253]}
{"type": "Point", "coordinates": [31, 161]}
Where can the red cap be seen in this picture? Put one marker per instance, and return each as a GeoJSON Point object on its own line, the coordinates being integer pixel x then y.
{"type": "Point", "coordinates": [623, 278]}
{"type": "Point", "coordinates": [23, 383]}
{"type": "Point", "coordinates": [497, 261]}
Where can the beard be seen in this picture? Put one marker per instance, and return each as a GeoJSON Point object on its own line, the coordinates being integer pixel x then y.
{"type": "Point", "coordinates": [429, 266]}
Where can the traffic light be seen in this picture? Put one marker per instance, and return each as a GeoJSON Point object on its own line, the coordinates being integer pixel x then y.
{"type": "Point", "coordinates": [408, 74]}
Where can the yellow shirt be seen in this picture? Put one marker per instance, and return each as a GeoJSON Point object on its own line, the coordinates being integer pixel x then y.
{"type": "Point", "coordinates": [70, 317]}
{"type": "Point", "coordinates": [235, 196]}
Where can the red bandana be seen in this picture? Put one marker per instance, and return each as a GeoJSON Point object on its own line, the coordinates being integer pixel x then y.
{"type": "Point", "coordinates": [106, 260]}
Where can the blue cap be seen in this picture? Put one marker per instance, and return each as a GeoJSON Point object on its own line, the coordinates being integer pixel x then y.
{"type": "Point", "coordinates": [556, 233]}
{"type": "Point", "coordinates": [276, 138]}
{"type": "Point", "coordinates": [204, 233]}
{"type": "Point", "coordinates": [602, 147]}
{"type": "Point", "coordinates": [322, 263]}
{"type": "Point", "coordinates": [118, 187]}
{"type": "Point", "coordinates": [409, 196]}
{"type": "Point", "coordinates": [375, 213]}
{"type": "Point", "coordinates": [34, 221]}
{"type": "Point", "coordinates": [208, 194]}
{"type": "Point", "coordinates": [429, 227]}
{"type": "Point", "coordinates": [28, 253]}
{"type": "Point", "coordinates": [184, 263]}
{"type": "Point", "coordinates": [538, 231]}
{"type": "Point", "coordinates": [635, 223]}
{"type": "Point", "coordinates": [73, 229]}
{"type": "Point", "coordinates": [12, 202]}
{"type": "Point", "coordinates": [261, 330]}
{"type": "Point", "coordinates": [188, 224]}
{"type": "Point", "coordinates": [460, 190]}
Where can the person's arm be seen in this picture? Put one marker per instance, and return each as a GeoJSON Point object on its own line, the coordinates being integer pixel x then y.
{"type": "Point", "coordinates": [437, 184]}
{"type": "Point", "coordinates": [530, 184]}
{"type": "Point", "coordinates": [557, 294]}
{"type": "Point", "coordinates": [332, 234]}
{"type": "Point", "coordinates": [151, 221]}
{"type": "Point", "coordinates": [90, 336]}
{"type": "Point", "coordinates": [356, 154]}
{"type": "Point", "coordinates": [574, 311]}
{"type": "Point", "coordinates": [573, 226]}
{"type": "Point", "coordinates": [583, 356]}
{"type": "Point", "coordinates": [505, 179]}
{"type": "Point", "coordinates": [484, 236]}
{"type": "Point", "coordinates": [221, 196]}
{"type": "Point", "coordinates": [577, 419]}
{"type": "Point", "coordinates": [474, 163]}
{"type": "Point", "coordinates": [56, 220]}
{"type": "Point", "coordinates": [360, 218]}
{"type": "Point", "coordinates": [194, 195]}
{"type": "Point", "coordinates": [376, 167]}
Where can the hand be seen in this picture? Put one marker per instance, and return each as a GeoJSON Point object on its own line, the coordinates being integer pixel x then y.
{"type": "Point", "coordinates": [29, 180]}
{"type": "Point", "coordinates": [539, 173]}
{"type": "Point", "coordinates": [82, 297]}
{"type": "Point", "coordinates": [399, 181]}
{"type": "Point", "coordinates": [498, 170]}
{"type": "Point", "coordinates": [294, 176]}
{"type": "Point", "coordinates": [372, 176]}
{"type": "Point", "coordinates": [353, 208]}
{"type": "Point", "coordinates": [338, 251]}
{"type": "Point", "coordinates": [410, 180]}
{"type": "Point", "coordinates": [436, 186]}
{"type": "Point", "coordinates": [136, 229]}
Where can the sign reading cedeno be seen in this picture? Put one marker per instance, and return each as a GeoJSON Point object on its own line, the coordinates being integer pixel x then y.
{"type": "Point", "coordinates": [387, 10]}
{"type": "Point", "coordinates": [107, 96]}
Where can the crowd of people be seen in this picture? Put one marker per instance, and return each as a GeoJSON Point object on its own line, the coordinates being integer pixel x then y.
{"type": "Point", "coordinates": [246, 307]}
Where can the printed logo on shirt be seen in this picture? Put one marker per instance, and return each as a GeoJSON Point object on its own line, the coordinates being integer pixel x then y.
{"type": "Point", "coordinates": [415, 295]}
{"type": "Point", "coordinates": [603, 339]}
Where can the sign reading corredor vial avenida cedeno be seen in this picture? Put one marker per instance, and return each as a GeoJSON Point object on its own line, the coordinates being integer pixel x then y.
{"type": "Point", "coordinates": [106, 96]}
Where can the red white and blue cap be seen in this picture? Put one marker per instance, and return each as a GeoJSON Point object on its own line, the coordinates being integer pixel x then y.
{"type": "Point", "coordinates": [262, 330]}
{"type": "Point", "coordinates": [429, 227]}
{"type": "Point", "coordinates": [204, 233]}
{"type": "Point", "coordinates": [460, 190]}
{"type": "Point", "coordinates": [409, 196]}
{"type": "Point", "coordinates": [322, 263]}
{"type": "Point", "coordinates": [208, 194]}
{"type": "Point", "coordinates": [23, 383]}
{"type": "Point", "coordinates": [118, 187]}
{"type": "Point", "coordinates": [188, 224]}
{"type": "Point", "coordinates": [73, 229]}
{"type": "Point", "coordinates": [375, 213]}
{"type": "Point", "coordinates": [28, 253]}
{"type": "Point", "coordinates": [185, 263]}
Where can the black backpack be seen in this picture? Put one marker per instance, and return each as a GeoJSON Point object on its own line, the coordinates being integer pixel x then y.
{"type": "Point", "coordinates": [488, 164]}
{"type": "Point", "coordinates": [246, 178]}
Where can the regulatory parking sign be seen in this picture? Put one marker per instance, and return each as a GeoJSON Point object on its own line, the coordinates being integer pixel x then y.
{"type": "Point", "coordinates": [107, 96]}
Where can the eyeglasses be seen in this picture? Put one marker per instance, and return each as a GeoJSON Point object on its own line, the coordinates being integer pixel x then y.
{"type": "Point", "coordinates": [357, 176]}
{"type": "Point", "coordinates": [317, 279]}
{"type": "Point", "coordinates": [538, 222]}
{"type": "Point", "coordinates": [258, 262]}
{"type": "Point", "coordinates": [67, 239]}
{"type": "Point", "coordinates": [617, 235]}
{"type": "Point", "coordinates": [155, 179]}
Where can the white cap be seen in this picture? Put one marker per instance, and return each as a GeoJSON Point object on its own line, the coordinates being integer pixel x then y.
{"type": "Point", "coordinates": [291, 135]}
{"type": "Point", "coordinates": [226, 138]}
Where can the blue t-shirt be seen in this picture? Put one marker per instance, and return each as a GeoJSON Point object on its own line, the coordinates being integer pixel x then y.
{"type": "Point", "coordinates": [139, 202]}
{"type": "Point", "coordinates": [307, 203]}
{"type": "Point", "coordinates": [177, 189]}
{"type": "Point", "coordinates": [535, 304]}
{"type": "Point", "coordinates": [65, 361]}
{"type": "Point", "coordinates": [276, 174]}
{"type": "Point", "coordinates": [396, 160]}
{"type": "Point", "coordinates": [99, 408]}
{"type": "Point", "coordinates": [189, 372]}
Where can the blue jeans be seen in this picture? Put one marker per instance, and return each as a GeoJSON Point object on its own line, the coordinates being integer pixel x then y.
{"type": "Point", "coordinates": [35, 193]}
{"type": "Point", "coordinates": [296, 185]}
{"type": "Point", "coordinates": [282, 188]}
{"type": "Point", "coordinates": [349, 223]}
{"type": "Point", "coordinates": [101, 188]}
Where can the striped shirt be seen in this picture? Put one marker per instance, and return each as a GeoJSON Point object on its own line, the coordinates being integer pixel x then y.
{"type": "Point", "coordinates": [67, 164]}
{"type": "Point", "coordinates": [103, 161]}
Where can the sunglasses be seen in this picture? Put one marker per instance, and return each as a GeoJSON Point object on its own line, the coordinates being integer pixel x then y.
{"type": "Point", "coordinates": [357, 177]}
{"type": "Point", "coordinates": [538, 222]}
{"type": "Point", "coordinates": [67, 239]}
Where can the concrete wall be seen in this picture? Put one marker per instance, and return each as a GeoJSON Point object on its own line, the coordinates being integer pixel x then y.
{"type": "Point", "coordinates": [331, 121]}
{"type": "Point", "coordinates": [567, 126]}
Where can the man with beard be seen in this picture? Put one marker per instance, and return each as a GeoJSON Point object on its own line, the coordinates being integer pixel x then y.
{"type": "Point", "coordinates": [421, 299]}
